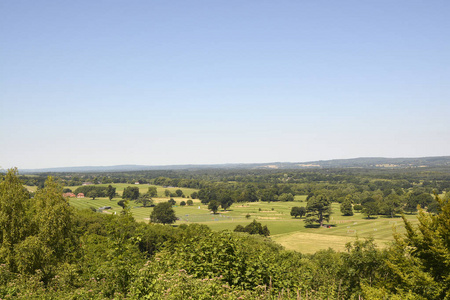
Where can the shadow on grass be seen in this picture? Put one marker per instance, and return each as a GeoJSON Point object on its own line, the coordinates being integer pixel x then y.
{"type": "Point", "coordinates": [389, 217]}
{"type": "Point", "coordinates": [318, 226]}
{"type": "Point", "coordinates": [329, 225]}
{"type": "Point", "coordinates": [312, 226]}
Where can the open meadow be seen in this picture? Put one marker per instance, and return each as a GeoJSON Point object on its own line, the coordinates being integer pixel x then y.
{"type": "Point", "coordinates": [285, 230]}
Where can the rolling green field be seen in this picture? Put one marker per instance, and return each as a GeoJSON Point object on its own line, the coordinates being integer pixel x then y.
{"type": "Point", "coordinates": [285, 230]}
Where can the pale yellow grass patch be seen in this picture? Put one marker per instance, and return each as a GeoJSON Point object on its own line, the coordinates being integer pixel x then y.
{"type": "Point", "coordinates": [305, 242]}
{"type": "Point", "coordinates": [31, 188]}
{"type": "Point", "coordinates": [311, 242]}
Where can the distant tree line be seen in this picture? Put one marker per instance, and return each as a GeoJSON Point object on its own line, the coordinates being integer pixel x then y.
{"type": "Point", "coordinates": [300, 181]}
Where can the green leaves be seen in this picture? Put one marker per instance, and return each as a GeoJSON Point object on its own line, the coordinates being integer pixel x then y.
{"type": "Point", "coordinates": [213, 205]}
{"type": "Point", "coordinates": [163, 213]}
{"type": "Point", "coordinates": [34, 235]}
{"type": "Point", "coordinates": [15, 220]}
{"type": "Point", "coordinates": [130, 193]}
{"type": "Point", "coordinates": [253, 228]}
{"type": "Point", "coordinates": [298, 211]}
{"type": "Point", "coordinates": [420, 261]}
{"type": "Point", "coordinates": [53, 218]}
{"type": "Point", "coordinates": [32, 254]}
{"type": "Point", "coordinates": [346, 208]}
{"type": "Point", "coordinates": [318, 209]}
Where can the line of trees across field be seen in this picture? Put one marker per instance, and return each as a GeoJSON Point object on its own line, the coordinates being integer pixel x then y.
{"type": "Point", "coordinates": [219, 195]}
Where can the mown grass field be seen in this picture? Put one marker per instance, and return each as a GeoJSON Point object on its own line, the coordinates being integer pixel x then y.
{"type": "Point", "coordinates": [31, 188]}
{"type": "Point", "coordinates": [285, 230]}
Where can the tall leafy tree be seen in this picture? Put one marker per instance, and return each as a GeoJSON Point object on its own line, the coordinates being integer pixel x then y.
{"type": "Point", "coordinates": [213, 206]}
{"type": "Point", "coordinates": [53, 218]}
{"type": "Point", "coordinates": [110, 192]}
{"type": "Point", "coordinates": [419, 262]}
{"type": "Point", "coordinates": [130, 193]}
{"type": "Point", "coordinates": [318, 209]}
{"type": "Point", "coordinates": [152, 191]}
{"type": "Point", "coordinates": [392, 205]}
{"type": "Point", "coordinates": [346, 208]}
{"type": "Point", "coordinates": [225, 199]}
{"type": "Point", "coordinates": [179, 193]}
{"type": "Point", "coordinates": [363, 264]}
{"type": "Point", "coordinates": [14, 220]}
{"type": "Point", "coordinates": [145, 199]}
{"type": "Point", "coordinates": [370, 207]}
{"type": "Point", "coordinates": [163, 213]}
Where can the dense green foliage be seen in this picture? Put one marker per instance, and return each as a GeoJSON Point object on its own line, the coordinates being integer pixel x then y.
{"type": "Point", "coordinates": [298, 211]}
{"type": "Point", "coordinates": [152, 191]}
{"type": "Point", "coordinates": [213, 206]}
{"type": "Point", "coordinates": [318, 210]}
{"type": "Point", "coordinates": [110, 192]}
{"type": "Point", "coordinates": [131, 193]}
{"type": "Point", "coordinates": [253, 228]}
{"type": "Point", "coordinates": [347, 208]}
{"type": "Point", "coordinates": [50, 251]}
{"type": "Point", "coordinates": [144, 199]}
{"type": "Point", "coordinates": [92, 191]}
{"type": "Point", "coordinates": [163, 213]}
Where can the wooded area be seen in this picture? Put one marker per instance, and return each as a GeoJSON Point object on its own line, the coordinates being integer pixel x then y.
{"type": "Point", "coordinates": [51, 250]}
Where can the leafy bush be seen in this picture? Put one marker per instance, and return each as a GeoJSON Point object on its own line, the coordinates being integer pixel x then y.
{"type": "Point", "coordinates": [357, 207]}
{"type": "Point", "coordinates": [298, 211]}
{"type": "Point", "coordinates": [253, 228]}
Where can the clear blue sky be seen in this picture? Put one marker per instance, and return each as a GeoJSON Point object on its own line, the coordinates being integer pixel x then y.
{"type": "Point", "coordinates": [197, 82]}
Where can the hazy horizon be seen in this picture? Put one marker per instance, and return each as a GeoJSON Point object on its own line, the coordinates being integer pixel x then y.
{"type": "Point", "coordinates": [213, 164]}
{"type": "Point", "coordinates": [103, 83]}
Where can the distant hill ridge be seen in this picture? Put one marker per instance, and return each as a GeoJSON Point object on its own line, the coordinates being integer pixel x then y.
{"type": "Point", "coordinates": [362, 162]}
